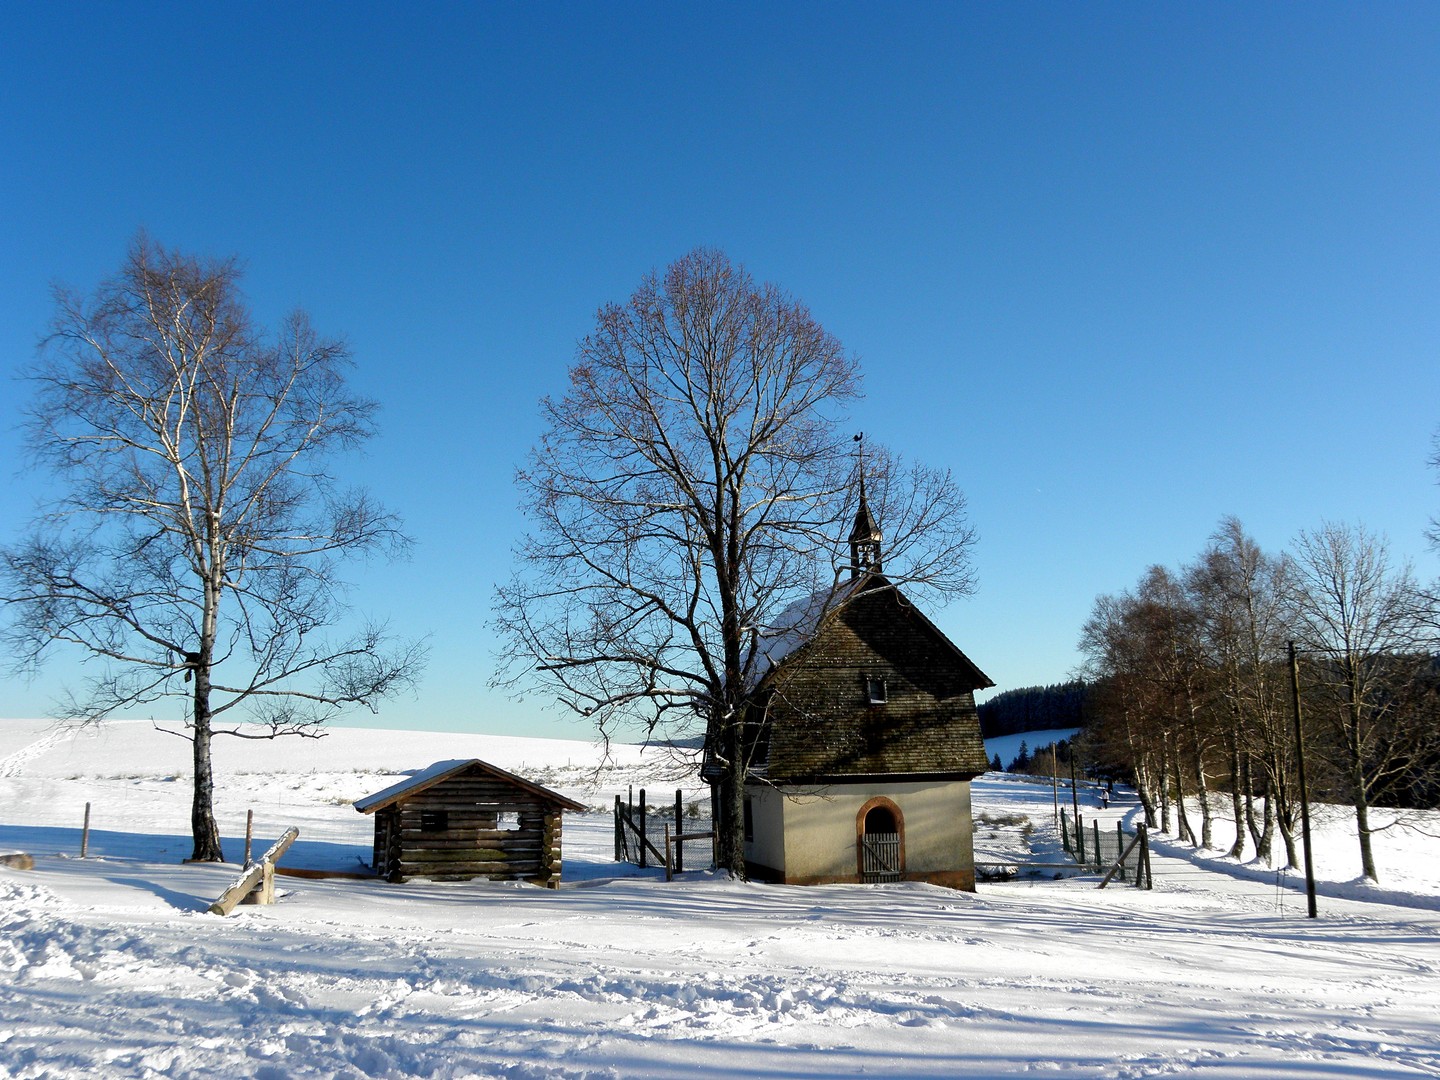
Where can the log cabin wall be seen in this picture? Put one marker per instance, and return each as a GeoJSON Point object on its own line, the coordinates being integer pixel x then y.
{"type": "Point", "coordinates": [468, 826]}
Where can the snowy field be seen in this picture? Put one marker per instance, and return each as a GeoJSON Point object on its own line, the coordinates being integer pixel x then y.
{"type": "Point", "coordinates": [110, 966]}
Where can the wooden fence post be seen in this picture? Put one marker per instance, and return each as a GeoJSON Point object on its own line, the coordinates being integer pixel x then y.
{"type": "Point", "coordinates": [1095, 828]}
{"type": "Point", "coordinates": [85, 833]}
{"type": "Point", "coordinates": [1120, 845]}
{"type": "Point", "coordinates": [1079, 838]}
{"type": "Point", "coordinates": [643, 837]}
{"type": "Point", "coordinates": [1119, 867]}
{"type": "Point", "coordinates": [619, 833]}
{"type": "Point", "coordinates": [249, 832]}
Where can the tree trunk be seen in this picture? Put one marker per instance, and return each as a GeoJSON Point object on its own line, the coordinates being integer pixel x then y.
{"type": "Point", "coordinates": [1202, 787]}
{"type": "Point", "coordinates": [1247, 785]}
{"type": "Point", "coordinates": [1144, 788]}
{"type": "Point", "coordinates": [730, 849]}
{"type": "Point", "coordinates": [1265, 848]}
{"type": "Point", "coordinates": [1362, 820]}
{"type": "Point", "coordinates": [1285, 819]}
{"type": "Point", "coordinates": [202, 808]}
{"type": "Point", "coordinates": [1164, 773]}
{"type": "Point", "coordinates": [1182, 819]}
{"type": "Point", "coordinates": [1237, 800]}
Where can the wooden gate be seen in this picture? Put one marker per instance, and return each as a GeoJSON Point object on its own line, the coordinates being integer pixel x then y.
{"type": "Point", "coordinates": [879, 857]}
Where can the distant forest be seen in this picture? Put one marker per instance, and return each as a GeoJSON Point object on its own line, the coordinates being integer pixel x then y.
{"type": "Point", "coordinates": [1036, 708]}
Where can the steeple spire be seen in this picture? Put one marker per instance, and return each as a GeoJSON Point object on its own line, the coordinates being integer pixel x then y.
{"type": "Point", "coordinates": [865, 537]}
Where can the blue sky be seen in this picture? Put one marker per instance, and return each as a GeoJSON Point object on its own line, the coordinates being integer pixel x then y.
{"type": "Point", "coordinates": [1124, 268]}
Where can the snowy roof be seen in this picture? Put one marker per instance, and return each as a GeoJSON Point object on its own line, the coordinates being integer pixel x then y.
{"type": "Point", "coordinates": [442, 770]}
{"type": "Point", "coordinates": [797, 623]}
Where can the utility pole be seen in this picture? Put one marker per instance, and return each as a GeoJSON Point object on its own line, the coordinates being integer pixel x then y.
{"type": "Point", "coordinates": [1304, 791]}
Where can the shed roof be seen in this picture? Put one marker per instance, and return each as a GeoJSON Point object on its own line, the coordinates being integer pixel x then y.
{"type": "Point", "coordinates": [441, 771]}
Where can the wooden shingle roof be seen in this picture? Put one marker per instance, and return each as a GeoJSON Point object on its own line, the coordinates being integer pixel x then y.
{"type": "Point", "coordinates": [441, 771]}
{"type": "Point", "coordinates": [820, 723]}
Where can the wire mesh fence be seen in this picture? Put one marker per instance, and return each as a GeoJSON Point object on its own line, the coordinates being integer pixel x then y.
{"type": "Point", "coordinates": [640, 830]}
{"type": "Point", "coordinates": [1103, 849]}
{"type": "Point", "coordinates": [149, 818]}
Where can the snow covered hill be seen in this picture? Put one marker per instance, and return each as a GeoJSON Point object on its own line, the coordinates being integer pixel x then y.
{"type": "Point", "coordinates": [109, 966]}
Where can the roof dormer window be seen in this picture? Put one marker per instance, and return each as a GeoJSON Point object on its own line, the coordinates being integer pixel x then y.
{"type": "Point", "coordinates": [876, 690]}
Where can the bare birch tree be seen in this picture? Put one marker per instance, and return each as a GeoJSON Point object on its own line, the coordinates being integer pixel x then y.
{"type": "Point", "coordinates": [195, 551]}
{"type": "Point", "coordinates": [1359, 622]}
{"type": "Point", "coordinates": [1238, 592]}
{"type": "Point", "coordinates": [693, 481]}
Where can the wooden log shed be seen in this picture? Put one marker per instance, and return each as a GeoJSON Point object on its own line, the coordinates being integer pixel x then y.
{"type": "Point", "coordinates": [464, 819]}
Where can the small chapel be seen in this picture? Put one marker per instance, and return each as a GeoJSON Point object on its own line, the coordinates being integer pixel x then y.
{"type": "Point", "coordinates": [867, 738]}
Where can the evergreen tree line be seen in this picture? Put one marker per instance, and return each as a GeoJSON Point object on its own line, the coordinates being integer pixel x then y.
{"type": "Point", "coordinates": [1050, 759]}
{"type": "Point", "coordinates": [1035, 708]}
{"type": "Point", "coordinates": [1192, 695]}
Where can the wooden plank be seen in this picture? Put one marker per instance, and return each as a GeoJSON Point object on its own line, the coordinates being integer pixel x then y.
{"type": "Point", "coordinates": [252, 877]}
{"type": "Point", "coordinates": [470, 835]}
{"type": "Point", "coordinates": [1120, 861]}
{"type": "Point", "coordinates": [471, 856]}
{"type": "Point", "coordinates": [476, 857]}
{"type": "Point", "coordinates": [281, 846]}
{"type": "Point", "coordinates": [431, 843]}
{"type": "Point", "coordinates": [239, 889]}
{"type": "Point", "coordinates": [461, 822]}
{"type": "Point", "coordinates": [463, 873]}
{"type": "Point", "coordinates": [493, 866]}
{"type": "Point", "coordinates": [472, 793]}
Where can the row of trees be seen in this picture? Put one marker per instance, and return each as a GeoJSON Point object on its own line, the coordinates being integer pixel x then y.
{"type": "Point", "coordinates": [1193, 687]}
{"type": "Point", "coordinates": [1035, 708]}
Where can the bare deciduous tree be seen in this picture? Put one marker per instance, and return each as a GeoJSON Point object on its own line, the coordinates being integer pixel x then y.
{"type": "Point", "coordinates": [1238, 592]}
{"type": "Point", "coordinates": [195, 550]}
{"type": "Point", "coordinates": [1360, 623]}
{"type": "Point", "coordinates": [692, 483]}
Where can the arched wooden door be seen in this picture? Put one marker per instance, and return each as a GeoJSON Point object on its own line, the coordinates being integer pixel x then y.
{"type": "Point", "coordinates": [880, 841]}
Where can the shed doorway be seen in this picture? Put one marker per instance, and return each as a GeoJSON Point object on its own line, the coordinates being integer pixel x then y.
{"type": "Point", "coordinates": [880, 849]}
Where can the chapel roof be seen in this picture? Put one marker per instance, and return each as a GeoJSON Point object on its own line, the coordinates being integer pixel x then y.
{"type": "Point", "coordinates": [819, 720]}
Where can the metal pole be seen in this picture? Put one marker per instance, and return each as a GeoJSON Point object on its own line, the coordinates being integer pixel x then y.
{"type": "Point", "coordinates": [1304, 791]}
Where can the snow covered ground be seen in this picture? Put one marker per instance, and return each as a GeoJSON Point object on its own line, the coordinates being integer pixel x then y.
{"type": "Point", "coordinates": [110, 966]}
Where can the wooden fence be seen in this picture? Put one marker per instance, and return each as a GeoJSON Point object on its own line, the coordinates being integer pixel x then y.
{"type": "Point", "coordinates": [636, 832]}
{"type": "Point", "coordinates": [1115, 854]}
